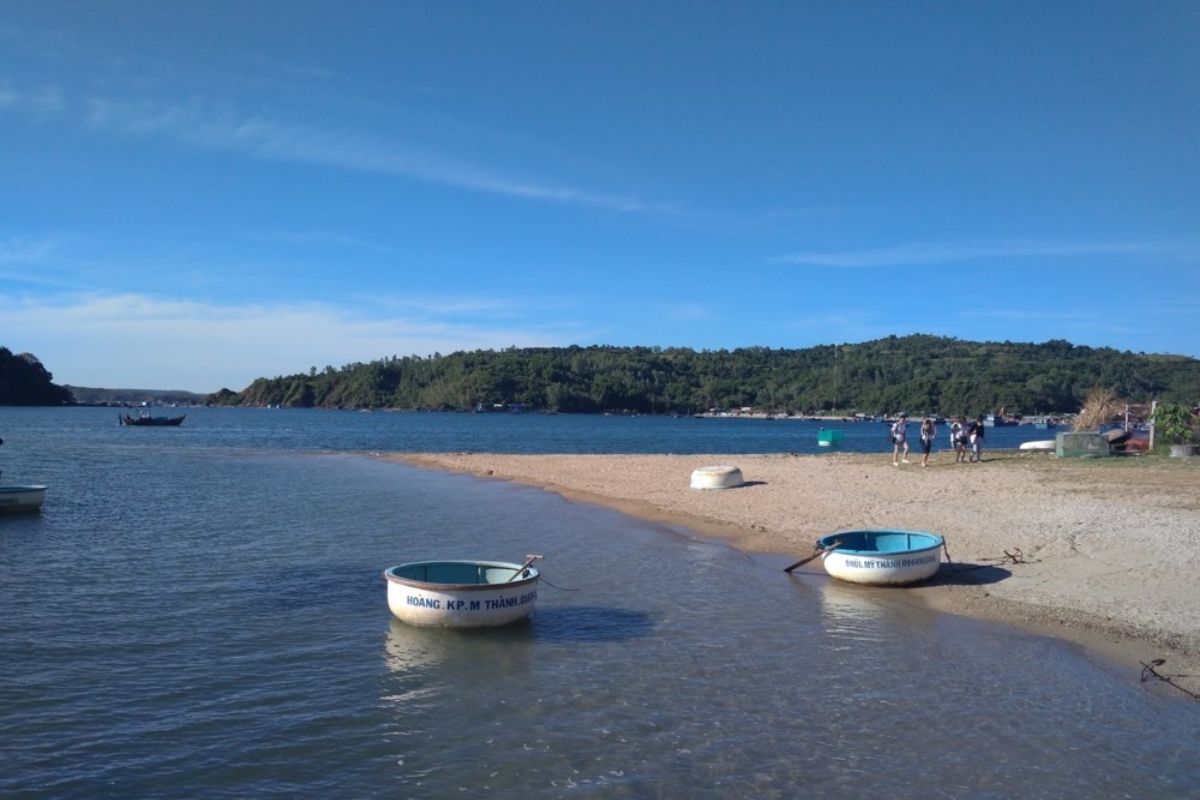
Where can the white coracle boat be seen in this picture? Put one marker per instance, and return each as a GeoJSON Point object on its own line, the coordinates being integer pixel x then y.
{"type": "Point", "coordinates": [719, 477]}
{"type": "Point", "coordinates": [462, 594]}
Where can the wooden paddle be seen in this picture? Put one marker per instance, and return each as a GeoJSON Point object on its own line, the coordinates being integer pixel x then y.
{"type": "Point", "coordinates": [816, 552]}
{"type": "Point", "coordinates": [529, 559]}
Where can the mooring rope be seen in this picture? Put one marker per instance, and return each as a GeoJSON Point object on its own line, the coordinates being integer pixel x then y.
{"type": "Point", "coordinates": [1149, 671]}
{"type": "Point", "coordinates": [560, 588]}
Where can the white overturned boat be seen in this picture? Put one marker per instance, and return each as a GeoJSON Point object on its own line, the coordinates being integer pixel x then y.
{"type": "Point", "coordinates": [462, 594]}
{"type": "Point", "coordinates": [17, 499]}
{"type": "Point", "coordinates": [720, 477]}
{"type": "Point", "coordinates": [882, 557]}
{"type": "Point", "coordinates": [1039, 446]}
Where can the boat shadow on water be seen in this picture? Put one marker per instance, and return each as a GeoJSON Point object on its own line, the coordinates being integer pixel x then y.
{"type": "Point", "coordinates": [508, 647]}
{"type": "Point", "coordinates": [585, 624]}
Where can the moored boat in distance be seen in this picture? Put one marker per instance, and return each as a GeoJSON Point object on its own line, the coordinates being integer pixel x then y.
{"type": "Point", "coordinates": [881, 557]}
{"type": "Point", "coordinates": [829, 437]}
{"type": "Point", "coordinates": [20, 499]}
{"type": "Point", "coordinates": [462, 594]}
{"type": "Point", "coordinates": [149, 421]}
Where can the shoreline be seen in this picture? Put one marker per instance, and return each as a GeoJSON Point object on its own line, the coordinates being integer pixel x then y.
{"type": "Point", "coordinates": [1099, 552]}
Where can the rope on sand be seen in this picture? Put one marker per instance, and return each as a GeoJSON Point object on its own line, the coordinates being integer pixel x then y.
{"type": "Point", "coordinates": [1013, 556]}
{"type": "Point", "coordinates": [1149, 671]}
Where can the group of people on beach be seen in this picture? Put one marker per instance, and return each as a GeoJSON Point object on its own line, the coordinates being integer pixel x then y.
{"type": "Point", "coordinates": [966, 439]}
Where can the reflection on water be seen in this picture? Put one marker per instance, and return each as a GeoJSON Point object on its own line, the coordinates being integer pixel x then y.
{"type": "Point", "coordinates": [408, 649]}
{"type": "Point", "coordinates": [853, 615]}
{"type": "Point", "coordinates": [234, 639]}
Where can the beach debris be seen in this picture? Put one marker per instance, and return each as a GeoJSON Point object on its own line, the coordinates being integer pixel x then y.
{"type": "Point", "coordinates": [1150, 671]}
{"type": "Point", "coordinates": [1015, 556]}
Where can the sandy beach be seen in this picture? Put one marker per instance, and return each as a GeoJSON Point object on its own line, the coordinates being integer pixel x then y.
{"type": "Point", "coordinates": [1100, 551]}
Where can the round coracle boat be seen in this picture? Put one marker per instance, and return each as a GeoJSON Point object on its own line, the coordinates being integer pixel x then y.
{"type": "Point", "coordinates": [881, 557]}
{"type": "Point", "coordinates": [721, 477]}
{"type": "Point", "coordinates": [461, 594]}
{"type": "Point", "coordinates": [18, 499]}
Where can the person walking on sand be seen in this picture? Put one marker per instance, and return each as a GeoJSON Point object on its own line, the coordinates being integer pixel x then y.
{"type": "Point", "coordinates": [968, 438]}
{"type": "Point", "coordinates": [956, 439]}
{"type": "Point", "coordinates": [928, 431]}
{"type": "Point", "coordinates": [900, 440]}
{"type": "Point", "coordinates": [977, 441]}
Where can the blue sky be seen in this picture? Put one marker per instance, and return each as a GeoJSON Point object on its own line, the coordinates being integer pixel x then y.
{"type": "Point", "coordinates": [193, 195]}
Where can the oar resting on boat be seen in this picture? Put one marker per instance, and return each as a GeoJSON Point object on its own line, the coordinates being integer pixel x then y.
{"type": "Point", "coordinates": [817, 551]}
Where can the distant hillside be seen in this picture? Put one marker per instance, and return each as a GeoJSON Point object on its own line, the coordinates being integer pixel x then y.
{"type": "Point", "coordinates": [916, 373]}
{"type": "Point", "coordinates": [91, 396]}
{"type": "Point", "coordinates": [25, 382]}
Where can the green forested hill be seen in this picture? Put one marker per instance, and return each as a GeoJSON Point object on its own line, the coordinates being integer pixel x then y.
{"type": "Point", "coordinates": [25, 382]}
{"type": "Point", "coordinates": [919, 373]}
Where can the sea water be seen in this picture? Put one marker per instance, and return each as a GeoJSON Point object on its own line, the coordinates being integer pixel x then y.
{"type": "Point", "coordinates": [200, 612]}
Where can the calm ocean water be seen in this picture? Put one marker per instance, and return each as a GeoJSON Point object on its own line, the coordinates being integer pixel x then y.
{"type": "Point", "coordinates": [199, 612]}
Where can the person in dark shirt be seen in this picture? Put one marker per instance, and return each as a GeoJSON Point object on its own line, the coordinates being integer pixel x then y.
{"type": "Point", "coordinates": [977, 440]}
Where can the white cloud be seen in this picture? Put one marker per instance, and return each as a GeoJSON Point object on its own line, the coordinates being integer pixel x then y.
{"type": "Point", "coordinates": [134, 341]}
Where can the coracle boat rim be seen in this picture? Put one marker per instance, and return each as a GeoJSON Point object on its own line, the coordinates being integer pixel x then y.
{"type": "Point", "coordinates": [929, 541]}
{"type": "Point", "coordinates": [531, 576]}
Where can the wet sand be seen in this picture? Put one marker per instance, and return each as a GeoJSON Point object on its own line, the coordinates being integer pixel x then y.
{"type": "Point", "coordinates": [1099, 551]}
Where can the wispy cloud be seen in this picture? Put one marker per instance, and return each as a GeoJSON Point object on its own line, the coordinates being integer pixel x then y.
{"type": "Point", "coordinates": [87, 340]}
{"type": "Point", "coordinates": [687, 312]}
{"type": "Point", "coordinates": [323, 239]}
{"type": "Point", "coordinates": [928, 253]}
{"type": "Point", "coordinates": [273, 139]}
{"type": "Point", "coordinates": [1020, 315]}
{"type": "Point", "coordinates": [427, 306]}
{"type": "Point", "coordinates": [26, 251]}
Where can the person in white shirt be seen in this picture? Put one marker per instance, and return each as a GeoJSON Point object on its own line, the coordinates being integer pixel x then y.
{"type": "Point", "coordinates": [900, 441]}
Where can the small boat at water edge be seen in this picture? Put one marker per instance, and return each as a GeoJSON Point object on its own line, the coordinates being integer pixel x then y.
{"type": "Point", "coordinates": [881, 557]}
{"type": "Point", "coordinates": [148, 421]}
{"type": "Point", "coordinates": [20, 499]}
{"type": "Point", "coordinates": [462, 594]}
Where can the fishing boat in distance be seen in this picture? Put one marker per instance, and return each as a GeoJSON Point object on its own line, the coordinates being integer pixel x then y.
{"type": "Point", "coordinates": [881, 557]}
{"type": "Point", "coordinates": [829, 437]}
{"type": "Point", "coordinates": [149, 421]}
{"type": "Point", "coordinates": [20, 499]}
{"type": "Point", "coordinates": [462, 594]}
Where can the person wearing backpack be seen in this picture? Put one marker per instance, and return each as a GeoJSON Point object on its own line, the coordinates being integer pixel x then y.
{"type": "Point", "coordinates": [900, 440]}
{"type": "Point", "coordinates": [969, 439]}
{"type": "Point", "coordinates": [977, 440]}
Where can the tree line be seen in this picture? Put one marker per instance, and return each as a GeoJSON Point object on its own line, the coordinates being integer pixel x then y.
{"type": "Point", "coordinates": [25, 382]}
{"type": "Point", "coordinates": [919, 373]}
